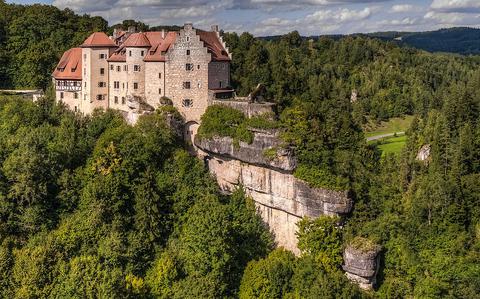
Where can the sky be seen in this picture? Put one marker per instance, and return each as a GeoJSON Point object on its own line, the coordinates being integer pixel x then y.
{"type": "Point", "coordinates": [272, 17]}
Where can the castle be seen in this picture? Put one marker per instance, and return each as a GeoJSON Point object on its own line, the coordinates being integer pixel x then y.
{"type": "Point", "coordinates": [135, 71]}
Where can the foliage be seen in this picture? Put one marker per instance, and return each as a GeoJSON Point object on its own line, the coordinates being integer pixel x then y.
{"type": "Point", "coordinates": [223, 121]}
{"type": "Point", "coordinates": [321, 238]}
{"type": "Point", "coordinates": [92, 207]}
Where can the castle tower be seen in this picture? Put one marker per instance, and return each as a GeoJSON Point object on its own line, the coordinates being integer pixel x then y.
{"type": "Point", "coordinates": [95, 51]}
{"type": "Point", "coordinates": [187, 68]}
{"type": "Point", "coordinates": [136, 48]}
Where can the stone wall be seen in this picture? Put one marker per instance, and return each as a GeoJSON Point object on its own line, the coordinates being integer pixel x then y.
{"type": "Point", "coordinates": [197, 76]}
{"type": "Point", "coordinates": [249, 109]}
{"type": "Point", "coordinates": [134, 57]}
{"type": "Point", "coordinates": [218, 74]}
{"type": "Point", "coordinates": [155, 82]}
{"type": "Point", "coordinates": [92, 63]}
{"type": "Point", "coordinates": [121, 93]}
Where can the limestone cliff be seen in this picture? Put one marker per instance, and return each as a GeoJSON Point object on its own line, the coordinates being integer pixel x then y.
{"type": "Point", "coordinates": [282, 199]}
{"type": "Point", "coordinates": [360, 264]}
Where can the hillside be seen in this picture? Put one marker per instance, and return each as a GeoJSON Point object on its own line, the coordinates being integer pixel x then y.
{"type": "Point", "coordinates": [459, 40]}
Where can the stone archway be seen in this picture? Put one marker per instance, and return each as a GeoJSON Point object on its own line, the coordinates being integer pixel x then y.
{"type": "Point", "coordinates": [189, 133]}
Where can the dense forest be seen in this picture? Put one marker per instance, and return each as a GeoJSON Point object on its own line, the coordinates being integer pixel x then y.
{"type": "Point", "coordinates": [93, 207]}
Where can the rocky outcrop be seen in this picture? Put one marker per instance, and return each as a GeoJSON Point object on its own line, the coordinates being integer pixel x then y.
{"type": "Point", "coordinates": [361, 264]}
{"type": "Point", "coordinates": [424, 153]}
{"type": "Point", "coordinates": [248, 108]}
{"type": "Point", "coordinates": [281, 199]}
{"type": "Point", "coordinates": [266, 150]}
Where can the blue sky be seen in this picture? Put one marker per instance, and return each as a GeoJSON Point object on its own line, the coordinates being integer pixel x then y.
{"type": "Point", "coordinates": [268, 17]}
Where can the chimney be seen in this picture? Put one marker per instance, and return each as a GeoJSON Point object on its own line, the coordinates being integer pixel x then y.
{"type": "Point", "coordinates": [163, 33]}
{"type": "Point", "coordinates": [188, 26]}
{"type": "Point", "coordinates": [115, 33]}
{"type": "Point", "coordinates": [215, 28]}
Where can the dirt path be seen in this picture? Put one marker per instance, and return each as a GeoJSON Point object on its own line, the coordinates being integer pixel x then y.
{"type": "Point", "coordinates": [385, 135]}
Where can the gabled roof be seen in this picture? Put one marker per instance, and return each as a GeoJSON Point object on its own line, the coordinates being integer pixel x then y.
{"type": "Point", "coordinates": [118, 56]}
{"type": "Point", "coordinates": [161, 43]}
{"type": "Point", "coordinates": [214, 45]}
{"type": "Point", "coordinates": [137, 40]}
{"type": "Point", "coordinates": [70, 65]}
{"type": "Point", "coordinates": [98, 39]}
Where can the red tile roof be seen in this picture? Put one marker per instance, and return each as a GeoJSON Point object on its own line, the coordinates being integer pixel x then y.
{"type": "Point", "coordinates": [70, 65]}
{"type": "Point", "coordinates": [137, 40]}
{"type": "Point", "coordinates": [214, 45]}
{"type": "Point", "coordinates": [98, 39]}
{"type": "Point", "coordinates": [160, 45]}
{"type": "Point", "coordinates": [157, 42]}
{"type": "Point", "coordinates": [118, 56]}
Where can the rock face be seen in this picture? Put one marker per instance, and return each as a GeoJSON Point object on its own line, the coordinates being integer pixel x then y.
{"type": "Point", "coordinates": [424, 153]}
{"type": "Point", "coordinates": [362, 266]}
{"type": "Point", "coordinates": [281, 199]}
{"type": "Point", "coordinates": [264, 150]}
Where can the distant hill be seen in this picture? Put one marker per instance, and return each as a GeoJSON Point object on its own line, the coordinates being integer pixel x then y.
{"type": "Point", "coordinates": [460, 40]}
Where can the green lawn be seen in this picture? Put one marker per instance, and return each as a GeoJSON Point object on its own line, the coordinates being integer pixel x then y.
{"type": "Point", "coordinates": [398, 124]}
{"type": "Point", "coordinates": [392, 145]}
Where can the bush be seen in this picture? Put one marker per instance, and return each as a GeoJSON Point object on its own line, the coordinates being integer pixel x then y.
{"type": "Point", "coordinates": [321, 178]}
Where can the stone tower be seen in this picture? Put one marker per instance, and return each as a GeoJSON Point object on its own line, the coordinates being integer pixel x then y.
{"type": "Point", "coordinates": [95, 51]}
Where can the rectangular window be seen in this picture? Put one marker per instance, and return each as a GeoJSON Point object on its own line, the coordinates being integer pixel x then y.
{"type": "Point", "coordinates": [136, 68]}
{"type": "Point", "coordinates": [118, 68]}
{"type": "Point", "coordinates": [102, 71]}
{"type": "Point", "coordinates": [116, 84]}
{"type": "Point", "coordinates": [84, 56]}
{"type": "Point", "coordinates": [115, 100]}
{"type": "Point", "coordinates": [85, 84]}
{"type": "Point", "coordinates": [125, 68]}
{"type": "Point", "coordinates": [130, 53]}
{"type": "Point", "coordinates": [84, 71]}
{"type": "Point", "coordinates": [75, 95]}
{"type": "Point", "coordinates": [188, 52]}
{"type": "Point", "coordinates": [111, 67]}
{"type": "Point", "coordinates": [188, 67]}
{"type": "Point", "coordinates": [123, 100]}
{"type": "Point", "coordinates": [159, 91]}
{"type": "Point", "coordinates": [103, 56]}
{"type": "Point", "coordinates": [186, 85]}
{"type": "Point", "coordinates": [135, 85]}
{"type": "Point", "coordinates": [61, 95]}
{"type": "Point", "coordinates": [159, 75]}
{"type": "Point", "coordinates": [102, 84]}
{"type": "Point", "coordinates": [100, 97]}
{"type": "Point", "coordinates": [198, 66]}
{"type": "Point", "coordinates": [123, 85]}
{"type": "Point", "coordinates": [187, 103]}
{"type": "Point", "coordinates": [142, 53]}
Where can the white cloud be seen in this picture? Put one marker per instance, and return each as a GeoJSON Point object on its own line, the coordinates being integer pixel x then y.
{"type": "Point", "coordinates": [339, 16]}
{"type": "Point", "coordinates": [459, 6]}
{"type": "Point", "coordinates": [402, 8]}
